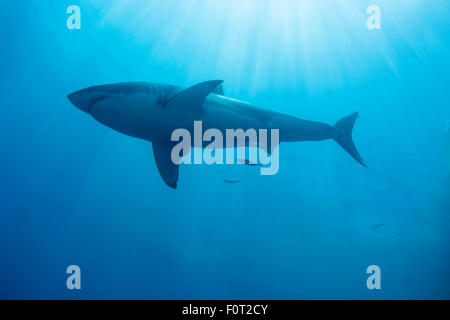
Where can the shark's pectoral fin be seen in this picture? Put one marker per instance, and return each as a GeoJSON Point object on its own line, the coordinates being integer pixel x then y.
{"type": "Point", "coordinates": [167, 169]}
{"type": "Point", "coordinates": [192, 98]}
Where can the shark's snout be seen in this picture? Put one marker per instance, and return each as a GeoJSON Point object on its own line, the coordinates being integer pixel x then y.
{"type": "Point", "coordinates": [85, 99]}
{"type": "Point", "coordinates": [78, 100]}
{"type": "Point", "coordinates": [71, 97]}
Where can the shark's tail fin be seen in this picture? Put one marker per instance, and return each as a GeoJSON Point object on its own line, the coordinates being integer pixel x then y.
{"type": "Point", "coordinates": [344, 128]}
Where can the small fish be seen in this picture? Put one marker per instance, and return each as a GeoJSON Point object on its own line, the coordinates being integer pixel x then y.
{"type": "Point", "coordinates": [232, 180]}
{"type": "Point", "coordinates": [378, 226]}
{"type": "Point", "coordinates": [247, 162]}
{"type": "Point", "coordinates": [407, 280]}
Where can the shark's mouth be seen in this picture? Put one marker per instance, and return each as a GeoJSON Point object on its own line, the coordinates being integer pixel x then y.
{"type": "Point", "coordinates": [95, 101]}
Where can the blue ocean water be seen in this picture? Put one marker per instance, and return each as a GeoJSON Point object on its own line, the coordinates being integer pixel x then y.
{"type": "Point", "coordinates": [76, 192]}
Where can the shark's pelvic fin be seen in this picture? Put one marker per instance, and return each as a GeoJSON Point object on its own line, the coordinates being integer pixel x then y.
{"type": "Point", "coordinates": [192, 98]}
{"type": "Point", "coordinates": [344, 129]}
{"type": "Point", "coordinates": [167, 169]}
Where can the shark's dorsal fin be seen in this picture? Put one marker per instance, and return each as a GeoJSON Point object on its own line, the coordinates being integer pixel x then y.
{"type": "Point", "coordinates": [167, 169]}
{"type": "Point", "coordinates": [219, 89]}
{"type": "Point", "coordinates": [192, 98]}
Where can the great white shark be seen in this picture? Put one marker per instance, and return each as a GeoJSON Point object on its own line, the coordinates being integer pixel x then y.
{"type": "Point", "coordinates": [152, 111]}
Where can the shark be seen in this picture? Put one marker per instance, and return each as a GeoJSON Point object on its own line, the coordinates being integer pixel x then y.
{"type": "Point", "coordinates": [152, 111]}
